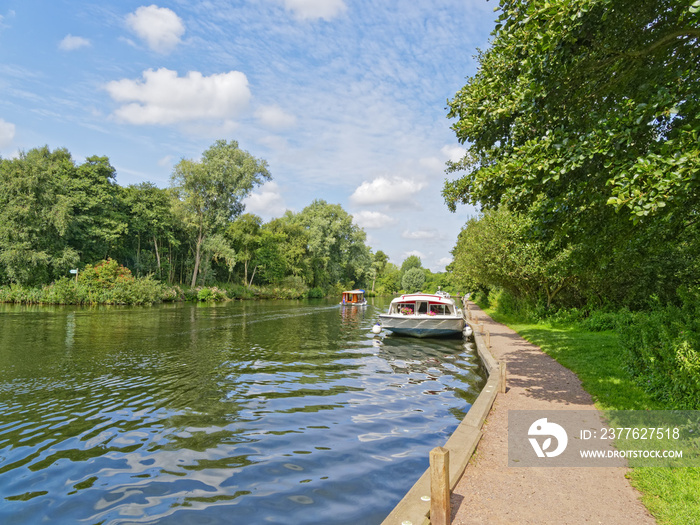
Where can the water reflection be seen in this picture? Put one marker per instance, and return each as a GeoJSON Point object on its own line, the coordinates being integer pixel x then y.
{"type": "Point", "coordinates": [281, 412]}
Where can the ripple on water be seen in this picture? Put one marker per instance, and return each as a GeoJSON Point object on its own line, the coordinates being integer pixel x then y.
{"type": "Point", "coordinates": [284, 412]}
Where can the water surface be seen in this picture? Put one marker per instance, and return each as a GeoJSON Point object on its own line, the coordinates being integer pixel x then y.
{"type": "Point", "coordinates": [287, 412]}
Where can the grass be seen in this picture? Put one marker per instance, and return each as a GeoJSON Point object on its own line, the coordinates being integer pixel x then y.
{"type": "Point", "coordinates": [672, 495]}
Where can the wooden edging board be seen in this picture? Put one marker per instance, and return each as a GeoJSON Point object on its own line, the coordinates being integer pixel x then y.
{"type": "Point", "coordinates": [414, 508]}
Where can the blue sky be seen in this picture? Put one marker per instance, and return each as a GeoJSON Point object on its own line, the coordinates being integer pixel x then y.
{"type": "Point", "coordinates": [345, 99]}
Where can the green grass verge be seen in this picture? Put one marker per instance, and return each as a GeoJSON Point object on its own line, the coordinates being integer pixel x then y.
{"type": "Point", "coordinates": [672, 495]}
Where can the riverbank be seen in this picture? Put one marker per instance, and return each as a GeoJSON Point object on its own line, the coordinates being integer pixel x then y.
{"type": "Point", "coordinates": [594, 377]}
{"type": "Point", "coordinates": [143, 291]}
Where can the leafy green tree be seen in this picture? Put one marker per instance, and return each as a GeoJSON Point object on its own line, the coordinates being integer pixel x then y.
{"type": "Point", "coordinates": [379, 261]}
{"type": "Point", "coordinates": [100, 220]}
{"type": "Point", "coordinates": [496, 250]}
{"type": "Point", "coordinates": [269, 257]}
{"type": "Point", "coordinates": [245, 236]}
{"type": "Point", "coordinates": [294, 245]}
{"type": "Point", "coordinates": [210, 191]}
{"type": "Point", "coordinates": [413, 280]}
{"type": "Point", "coordinates": [151, 222]}
{"type": "Point", "coordinates": [336, 245]}
{"type": "Point", "coordinates": [390, 279]}
{"type": "Point", "coordinates": [582, 105]}
{"type": "Point", "coordinates": [412, 261]}
{"type": "Point", "coordinates": [35, 215]}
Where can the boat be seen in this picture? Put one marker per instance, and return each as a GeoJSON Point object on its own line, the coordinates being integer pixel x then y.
{"type": "Point", "coordinates": [424, 315]}
{"type": "Point", "coordinates": [354, 298]}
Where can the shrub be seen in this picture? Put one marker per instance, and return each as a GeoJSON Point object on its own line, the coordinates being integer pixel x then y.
{"type": "Point", "coordinates": [316, 293]}
{"type": "Point", "coordinates": [663, 350]}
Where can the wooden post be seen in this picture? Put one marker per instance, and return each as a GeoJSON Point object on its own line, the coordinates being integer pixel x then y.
{"type": "Point", "coordinates": [503, 377]}
{"type": "Point", "coordinates": [440, 513]}
{"type": "Point", "coordinates": [488, 339]}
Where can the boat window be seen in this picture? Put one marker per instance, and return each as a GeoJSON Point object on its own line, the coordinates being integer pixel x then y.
{"type": "Point", "coordinates": [438, 309]}
{"type": "Point", "coordinates": [405, 308]}
{"type": "Point", "coordinates": [422, 307]}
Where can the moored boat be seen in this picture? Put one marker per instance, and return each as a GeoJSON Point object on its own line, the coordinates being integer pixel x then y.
{"type": "Point", "coordinates": [424, 315]}
{"type": "Point", "coordinates": [354, 298]}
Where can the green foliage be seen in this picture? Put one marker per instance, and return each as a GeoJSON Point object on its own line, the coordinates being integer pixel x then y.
{"type": "Point", "coordinates": [389, 282]}
{"type": "Point", "coordinates": [412, 261]}
{"type": "Point", "coordinates": [316, 293]}
{"type": "Point", "coordinates": [589, 104]}
{"type": "Point", "coordinates": [583, 119]}
{"type": "Point", "coordinates": [35, 217]}
{"type": "Point", "coordinates": [56, 215]}
{"type": "Point", "coordinates": [413, 280]}
{"type": "Point", "coordinates": [336, 246]}
{"type": "Point", "coordinates": [105, 275]}
{"type": "Point", "coordinates": [211, 294]}
{"type": "Point", "coordinates": [663, 350]}
{"type": "Point", "coordinates": [496, 250]}
{"type": "Point", "coordinates": [209, 192]}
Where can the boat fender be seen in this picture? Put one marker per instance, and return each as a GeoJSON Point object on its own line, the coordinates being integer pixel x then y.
{"type": "Point", "coordinates": [376, 328]}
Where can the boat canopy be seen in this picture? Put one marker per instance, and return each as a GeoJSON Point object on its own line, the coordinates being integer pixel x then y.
{"type": "Point", "coordinates": [353, 296]}
{"type": "Point", "coordinates": [423, 304]}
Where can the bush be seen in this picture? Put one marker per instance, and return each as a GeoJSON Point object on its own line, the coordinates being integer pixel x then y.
{"type": "Point", "coordinates": [211, 294]}
{"type": "Point", "coordinates": [105, 283]}
{"type": "Point", "coordinates": [663, 350]}
{"type": "Point", "coordinates": [316, 293]}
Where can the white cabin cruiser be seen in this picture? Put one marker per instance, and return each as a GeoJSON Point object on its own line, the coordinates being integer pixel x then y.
{"type": "Point", "coordinates": [424, 315]}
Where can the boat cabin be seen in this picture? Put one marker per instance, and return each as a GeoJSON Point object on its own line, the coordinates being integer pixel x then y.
{"type": "Point", "coordinates": [353, 297]}
{"type": "Point", "coordinates": [425, 305]}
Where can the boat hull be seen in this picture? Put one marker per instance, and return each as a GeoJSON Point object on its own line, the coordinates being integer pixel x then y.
{"type": "Point", "coordinates": [423, 326]}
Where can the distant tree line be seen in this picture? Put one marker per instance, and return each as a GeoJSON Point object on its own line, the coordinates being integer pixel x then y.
{"type": "Point", "coordinates": [57, 215]}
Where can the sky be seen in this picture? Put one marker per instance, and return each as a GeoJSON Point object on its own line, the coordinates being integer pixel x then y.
{"type": "Point", "coordinates": [345, 99]}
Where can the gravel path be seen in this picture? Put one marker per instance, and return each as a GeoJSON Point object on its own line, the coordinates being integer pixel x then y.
{"type": "Point", "coordinates": [491, 492]}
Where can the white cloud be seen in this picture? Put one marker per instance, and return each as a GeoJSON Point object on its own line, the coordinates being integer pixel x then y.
{"type": "Point", "coordinates": [431, 234]}
{"type": "Point", "coordinates": [453, 153]}
{"type": "Point", "coordinates": [418, 254]}
{"type": "Point", "coordinates": [7, 133]}
{"type": "Point", "coordinates": [164, 98]}
{"type": "Point", "coordinates": [71, 43]}
{"type": "Point", "coordinates": [386, 190]}
{"type": "Point", "coordinates": [313, 9]}
{"type": "Point", "coordinates": [166, 162]}
{"type": "Point", "coordinates": [445, 261]}
{"type": "Point", "coordinates": [267, 201]}
{"type": "Point", "coordinates": [372, 219]}
{"type": "Point", "coordinates": [275, 117]}
{"type": "Point", "coordinates": [159, 27]}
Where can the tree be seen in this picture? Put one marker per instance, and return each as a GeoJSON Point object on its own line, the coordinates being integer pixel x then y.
{"type": "Point", "coordinates": [100, 220]}
{"type": "Point", "coordinates": [35, 215]}
{"type": "Point", "coordinates": [412, 261]}
{"type": "Point", "coordinates": [390, 279]}
{"type": "Point", "coordinates": [210, 191]}
{"type": "Point", "coordinates": [245, 236]}
{"type": "Point", "coordinates": [582, 108]}
{"type": "Point", "coordinates": [151, 221]}
{"type": "Point", "coordinates": [413, 280]}
{"type": "Point", "coordinates": [496, 250]}
{"type": "Point", "coordinates": [379, 261]}
{"type": "Point", "coordinates": [336, 245]}
{"type": "Point", "coordinates": [294, 246]}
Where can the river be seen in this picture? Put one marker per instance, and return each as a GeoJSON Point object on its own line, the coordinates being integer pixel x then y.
{"type": "Point", "coordinates": [288, 412]}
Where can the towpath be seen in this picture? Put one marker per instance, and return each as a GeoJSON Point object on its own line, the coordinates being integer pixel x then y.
{"type": "Point", "coordinates": [491, 492]}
